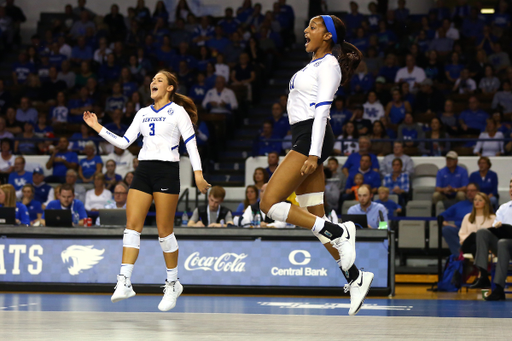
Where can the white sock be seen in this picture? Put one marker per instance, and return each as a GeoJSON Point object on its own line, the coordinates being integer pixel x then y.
{"type": "Point", "coordinates": [172, 274]}
{"type": "Point", "coordinates": [126, 270]}
{"type": "Point", "coordinates": [325, 218]}
{"type": "Point", "coordinates": [319, 225]}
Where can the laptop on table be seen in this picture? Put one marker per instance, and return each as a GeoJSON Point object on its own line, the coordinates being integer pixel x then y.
{"type": "Point", "coordinates": [7, 215]}
{"type": "Point", "coordinates": [360, 220]}
{"type": "Point", "coordinates": [113, 217]}
{"type": "Point", "coordinates": [58, 218]}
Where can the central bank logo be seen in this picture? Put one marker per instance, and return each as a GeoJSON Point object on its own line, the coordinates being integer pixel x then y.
{"type": "Point", "coordinates": [81, 258]}
{"type": "Point", "coordinates": [293, 259]}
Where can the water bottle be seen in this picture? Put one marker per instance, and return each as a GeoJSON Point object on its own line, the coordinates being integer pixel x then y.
{"type": "Point", "coordinates": [184, 218]}
{"type": "Point", "coordinates": [76, 218]}
{"type": "Point", "coordinates": [257, 220]}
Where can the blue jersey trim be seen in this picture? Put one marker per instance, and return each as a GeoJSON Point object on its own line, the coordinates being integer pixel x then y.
{"type": "Point", "coordinates": [126, 139]}
{"type": "Point", "coordinates": [174, 147]}
{"type": "Point", "coordinates": [152, 107]}
{"type": "Point", "coordinates": [316, 60]}
{"type": "Point", "coordinates": [190, 138]}
{"type": "Point", "coordinates": [311, 104]}
{"type": "Point", "coordinates": [323, 103]}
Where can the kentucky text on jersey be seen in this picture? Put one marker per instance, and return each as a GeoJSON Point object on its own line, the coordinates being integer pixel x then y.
{"type": "Point", "coordinates": [153, 119]}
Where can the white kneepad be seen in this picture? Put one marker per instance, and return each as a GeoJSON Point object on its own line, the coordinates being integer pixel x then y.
{"type": "Point", "coordinates": [279, 211]}
{"type": "Point", "coordinates": [131, 238]}
{"type": "Point", "coordinates": [168, 244]}
{"type": "Point", "coordinates": [310, 199]}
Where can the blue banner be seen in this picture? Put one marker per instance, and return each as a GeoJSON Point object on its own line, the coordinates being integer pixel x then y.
{"type": "Point", "coordinates": [201, 262]}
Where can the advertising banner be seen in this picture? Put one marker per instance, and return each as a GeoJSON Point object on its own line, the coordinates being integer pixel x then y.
{"type": "Point", "coordinates": [201, 262]}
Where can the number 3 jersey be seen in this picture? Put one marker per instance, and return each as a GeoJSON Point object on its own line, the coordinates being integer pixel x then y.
{"type": "Point", "coordinates": [161, 130]}
{"type": "Point", "coordinates": [312, 91]}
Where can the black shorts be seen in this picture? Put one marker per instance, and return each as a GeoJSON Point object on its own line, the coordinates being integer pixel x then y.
{"type": "Point", "coordinates": [157, 176]}
{"type": "Point", "coordinates": [301, 139]}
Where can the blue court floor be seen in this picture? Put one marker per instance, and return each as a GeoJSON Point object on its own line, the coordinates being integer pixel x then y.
{"type": "Point", "coordinates": [94, 317]}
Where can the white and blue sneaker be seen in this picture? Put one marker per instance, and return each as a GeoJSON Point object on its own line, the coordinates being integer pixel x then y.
{"type": "Point", "coordinates": [172, 290]}
{"type": "Point", "coordinates": [123, 289]}
{"type": "Point", "coordinates": [346, 245]}
{"type": "Point", "coordinates": [358, 290]}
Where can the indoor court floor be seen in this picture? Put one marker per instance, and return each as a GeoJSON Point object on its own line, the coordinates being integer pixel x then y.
{"type": "Point", "coordinates": [93, 317]}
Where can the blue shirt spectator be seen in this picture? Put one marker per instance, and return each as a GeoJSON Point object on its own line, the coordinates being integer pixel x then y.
{"type": "Point", "coordinates": [56, 59]}
{"type": "Point", "coordinates": [229, 24]}
{"type": "Point", "coordinates": [457, 212]}
{"type": "Point", "coordinates": [362, 82]}
{"type": "Point", "coordinates": [501, 20]}
{"type": "Point", "coordinates": [262, 144]}
{"type": "Point", "coordinates": [62, 154]}
{"type": "Point", "coordinates": [353, 161]}
{"type": "Point", "coordinates": [21, 213]}
{"type": "Point", "coordinates": [370, 176]}
{"type": "Point", "coordinates": [78, 103]}
{"type": "Point", "coordinates": [34, 207]}
{"type": "Point", "coordinates": [81, 53]}
{"type": "Point", "coordinates": [472, 27]}
{"type": "Point", "coordinates": [89, 166]}
{"type": "Point", "coordinates": [372, 213]}
{"type": "Point", "coordinates": [41, 189]}
{"type": "Point", "coordinates": [488, 184]}
{"type": "Point", "coordinates": [474, 117]}
{"type": "Point", "coordinates": [20, 180]}
{"type": "Point", "coordinates": [76, 207]}
{"type": "Point", "coordinates": [339, 117]}
{"type": "Point", "coordinates": [109, 72]}
{"type": "Point", "coordinates": [390, 205]}
{"type": "Point", "coordinates": [454, 70]}
{"type": "Point", "coordinates": [457, 177]}
{"type": "Point", "coordinates": [59, 113]}
{"type": "Point", "coordinates": [389, 73]}
{"type": "Point", "coordinates": [22, 69]}
{"type": "Point", "coordinates": [353, 22]}
{"type": "Point", "coordinates": [218, 42]}
{"type": "Point", "coordinates": [25, 112]}
{"type": "Point", "coordinates": [198, 91]}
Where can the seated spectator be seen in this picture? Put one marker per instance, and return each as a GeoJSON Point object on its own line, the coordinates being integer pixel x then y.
{"type": "Point", "coordinates": [3, 132]}
{"type": "Point", "coordinates": [387, 38]}
{"type": "Point", "coordinates": [77, 106]}
{"type": "Point", "coordinates": [117, 100]}
{"type": "Point", "coordinates": [472, 26]}
{"type": "Point", "coordinates": [100, 55]}
{"type": "Point", "coordinates": [119, 199]}
{"type": "Point", "coordinates": [373, 109]}
{"type": "Point", "coordinates": [434, 69]}
{"type": "Point", "coordinates": [273, 163]}
{"type": "Point", "coordinates": [60, 112]}
{"type": "Point", "coordinates": [411, 73]}
{"type": "Point", "coordinates": [368, 208]}
{"type": "Point", "coordinates": [218, 42]}
{"type": "Point", "coordinates": [127, 84]}
{"type": "Point", "coordinates": [203, 32]}
{"type": "Point", "coordinates": [265, 222]}
{"type": "Point", "coordinates": [429, 100]}
{"type": "Point", "coordinates": [334, 184]}
{"type": "Point", "coordinates": [43, 192]}
{"type": "Point", "coordinates": [448, 118]}
{"type": "Point", "coordinates": [109, 71]}
{"type": "Point", "coordinates": [81, 52]}
{"type": "Point", "coordinates": [34, 208]}
{"type": "Point", "coordinates": [115, 126]}
{"type": "Point", "coordinates": [339, 115]}
{"type": "Point", "coordinates": [362, 81]}
{"type": "Point", "coordinates": [473, 120]}
{"type": "Point", "coordinates": [347, 143]}
{"type": "Point", "coordinates": [353, 161]}
{"type": "Point", "coordinates": [390, 68]}
{"type": "Point", "coordinates": [363, 126]}
{"type": "Point", "coordinates": [398, 152]}
{"type": "Point", "coordinates": [128, 178]}
{"type": "Point", "coordinates": [486, 179]}
{"type": "Point", "coordinates": [503, 98]}
{"type": "Point", "coordinates": [260, 177]}
{"type": "Point", "coordinates": [221, 68]}
{"type": "Point", "coordinates": [264, 143]}
{"type": "Point", "coordinates": [67, 201]}
{"type": "Point", "coordinates": [436, 132]}
{"type": "Point", "coordinates": [97, 197]}
{"type": "Point", "coordinates": [490, 148]}
{"type": "Point", "coordinates": [78, 140]}
{"type": "Point", "coordinates": [21, 69]}
{"type": "Point", "coordinates": [111, 177]}
{"type": "Point", "coordinates": [220, 100]}
{"type": "Point", "coordinates": [489, 84]}
{"type": "Point", "coordinates": [361, 40]}
{"type": "Point", "coordinates": [397, 108]}
{"type": "Point", "coordinates": [213, 214]}
{"type": "Point", "coordinates": [198, 90]}
{"type": "Point", "coordinates": [392, 207]}
{"type": "Point", "coordinates": [6, 159]}
{"type": "Point", "coordinates": [379, 148]}
{"type": "Point", "coordinates": [370, 176]}
{"type": "Point", "coordinates": [410, 131]}
{"type": "Point", "coordinates": [494, 239]}
{"type": "Point", "coordinates": [451, 181]}
{"type": "Point", "coordinates": [71, 178]}
{"type": "Point", "coordinates": [464, 84]}
{"type": "Point", "coordinates": [66, 74]}
{"type": "Point", "coordinates": [251, 197]}
{"type": "Point", "coordinates": [123, 160]}
{"type": "Point", "coordinates": [19, 177]}
{"type": "Point", "coordinates": [280, 123]}
{"type": "Point", "coordinates": [451, 219]}
{"type": "Point", "coordinates": [499, 59]}
{"type": "Point", "coordinates": [8, 199]}
{"type": "Point", "coordinates": [91, 164]}
{"type": "Point", "coordinates": [26, 113]}
{"type": "Point", "coordinates": [80, 27]}
{"type": "Point", "coordinates": [398, 181]}
{"type": "Point", "coordinates": [481, 217]}
{"type": "Point", "coordinates": [61, 160]}
{"type": "Point", "coordinates": [441, 43]}
{"type": "Point", "coordinates": [24, 144]}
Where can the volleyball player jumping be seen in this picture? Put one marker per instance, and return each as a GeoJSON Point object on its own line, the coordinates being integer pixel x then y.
{"type": "Point", "coordinates": [156, 178]}
{"type": "Point", "coordinates": [312, 91]}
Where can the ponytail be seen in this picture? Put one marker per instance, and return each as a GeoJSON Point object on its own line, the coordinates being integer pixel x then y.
{"type": "Point", "coordinates": [188, 105]}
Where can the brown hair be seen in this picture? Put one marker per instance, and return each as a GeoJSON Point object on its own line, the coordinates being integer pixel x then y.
{"type": "Point", "coordinates": [486, 159]}
{"type": "Point", "coordinates": [349, 56]}
{"type": "Point", "coordinates": [246, 200]}
{"type": "Point", "coordinates": [487, 208]}
{"type": "Point", "coordinates": [180, 99]}
{"type": "Point", "coordinates": [67, 187]}
{"type": "Point", "coordinates": [10, 195]}
{"type": "Point", "coordinates": [218, 192]}
{"type": "Point", "coordinates": [265, 175]}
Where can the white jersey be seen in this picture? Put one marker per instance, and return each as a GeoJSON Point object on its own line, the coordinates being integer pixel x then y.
{"type": "Point", "coordinates": [312, 91]}
{"type": "Point", "coordinates": [161, 130]}
{"type": "Point", "coordinates": [373, 112]}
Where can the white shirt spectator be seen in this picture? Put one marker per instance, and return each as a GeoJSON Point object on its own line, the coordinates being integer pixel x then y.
{"type": "Point", "coordinates": [227, 96]}
{"type": "Point", "coordinates": [97, 201]}
{"type": "Point", "coordinates": [98, 58]}
{"type": "Point", "coordinates": [416, 76]}
{"type": "Point", "coordinates": [350, 145]}
{"type": "Point", "coordinates": [470, 85]}
{"type": "Point", "coordinates": [373, 111]}
{"type": "Point", "coordinates": [452, 33]}
{"type": "Point", "coordinates": [66, 50]}
{"type": "Point", "coordinates": [6, 164]}
{"type": "Point", "coordinates": [489, 148]}
{"type": "Point", "coordinates": [222, 70]}
{"type": "Point", "coordinates": [504, 214]}
{"type": "Point", "coordinates": [124, 162]}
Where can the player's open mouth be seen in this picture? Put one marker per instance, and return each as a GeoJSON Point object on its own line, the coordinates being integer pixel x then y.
{"type": "Point", "coordinates": [154, 89]}
{"type": "Point", "coordinates": [307, 41]}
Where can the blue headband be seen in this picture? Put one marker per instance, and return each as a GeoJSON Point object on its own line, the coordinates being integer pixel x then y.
{"type": "Point", "coordinates": [329, 24]}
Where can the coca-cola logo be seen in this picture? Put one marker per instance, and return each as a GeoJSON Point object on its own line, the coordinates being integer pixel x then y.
{"type": "Point", "coordinates": [228, 262]}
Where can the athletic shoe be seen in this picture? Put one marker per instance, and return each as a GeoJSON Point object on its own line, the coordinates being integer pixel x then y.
{"type": "Point", "coordinates": [358, 291]}
{"type": "Point", "coordinates": [123, 289]}
{"type": "Point", "coordinates": [346, 245]}
{"type": "Point", "coordinates": [171, 292]}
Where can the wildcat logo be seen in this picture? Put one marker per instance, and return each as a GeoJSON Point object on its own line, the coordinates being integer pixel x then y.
{"type": "Point", "coordinates": [170, 111]}
{"type": "Point", "coordinates": [81, 258]}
